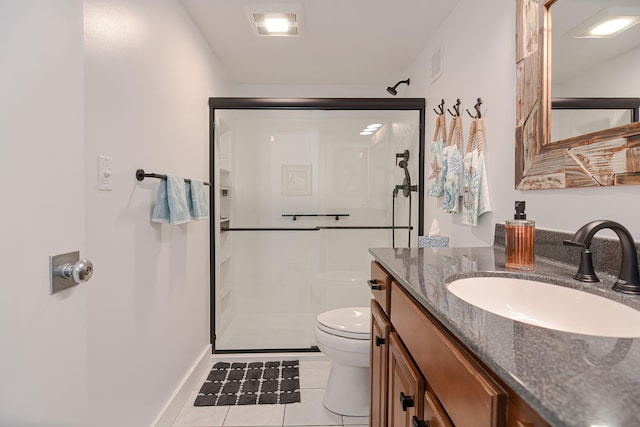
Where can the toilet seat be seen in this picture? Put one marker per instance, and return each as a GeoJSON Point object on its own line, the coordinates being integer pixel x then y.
{"type": "Point", "coordinates": [348, 322]}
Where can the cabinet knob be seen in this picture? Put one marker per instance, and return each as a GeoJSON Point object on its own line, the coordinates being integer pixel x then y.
{"type": "Point", "coordinates": [373, 285]}
{"type": "Point", "coordinates": [379, 341]}
{"type": "Point", "coordinates": [415, 422]}
{"type": "Point", "coordinates": [406, 401]}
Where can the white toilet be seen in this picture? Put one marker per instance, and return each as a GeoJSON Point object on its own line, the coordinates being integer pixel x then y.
{"type": "Point", "coordinates": [344, 335]}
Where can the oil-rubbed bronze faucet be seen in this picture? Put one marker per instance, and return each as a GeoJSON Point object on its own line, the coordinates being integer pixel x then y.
{"type": "Point", "coordinates": [628, 279]}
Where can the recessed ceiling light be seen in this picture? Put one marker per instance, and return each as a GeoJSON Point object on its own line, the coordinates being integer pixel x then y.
{"type": "Point", "coordinates": [609, 22]}
{"type": "Point", "coordinates": [612, 26]}
{"type": "Point", "coordinates": [374, 125]}
{"type": "Point", "coordinates": [366, 132]}
{"type": "Point", "coordinates": [276, 24]}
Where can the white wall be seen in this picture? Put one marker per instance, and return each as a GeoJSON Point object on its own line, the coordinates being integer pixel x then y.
{"type": "Point", "coordinates": [111, 351]}
{"type": "Point", "coordinates": [148, 75]}
{"type": "Point", "coordinates": [478, 40]}
{"type": "Point", "coordinates": [311, 91]}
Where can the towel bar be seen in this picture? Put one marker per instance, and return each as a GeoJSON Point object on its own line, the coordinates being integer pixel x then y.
{"type": "Point", "coordinates": [140, 175]}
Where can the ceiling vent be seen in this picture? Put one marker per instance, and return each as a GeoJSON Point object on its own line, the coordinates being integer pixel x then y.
{"type": "Point", "coordinates": [276, 24]}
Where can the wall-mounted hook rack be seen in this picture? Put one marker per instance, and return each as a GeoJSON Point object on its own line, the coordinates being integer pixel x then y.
{"type": "Point", "coordinates": [478, 112]}
{"type": "Point", "coordinates": [456, 108]}
{"type": "Point", "coordinates": [441, 108]}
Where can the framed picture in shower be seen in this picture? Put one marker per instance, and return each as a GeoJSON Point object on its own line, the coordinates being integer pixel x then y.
{"type": "Point", "coordinates": [296, 180]}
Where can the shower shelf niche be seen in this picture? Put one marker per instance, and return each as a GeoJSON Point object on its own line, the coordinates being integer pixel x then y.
{"type": "Point", "coordinates": [225, 289]}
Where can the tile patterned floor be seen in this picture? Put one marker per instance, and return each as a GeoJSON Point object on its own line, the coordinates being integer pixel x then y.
{"type": "Point", "coordinates": [314, 372]}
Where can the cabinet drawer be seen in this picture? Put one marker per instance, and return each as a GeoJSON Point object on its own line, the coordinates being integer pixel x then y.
{"type": "Point", "coordinates": [468, 394]}
{"type": "Point", "coordinates": [380, 284]}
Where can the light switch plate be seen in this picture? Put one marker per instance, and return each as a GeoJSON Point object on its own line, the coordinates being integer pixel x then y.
{"type": "Point", "coordinates": [104, 173]}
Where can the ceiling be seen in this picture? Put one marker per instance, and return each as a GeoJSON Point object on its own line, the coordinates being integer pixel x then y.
{"type": "Point", "coordinates": [342, 42]}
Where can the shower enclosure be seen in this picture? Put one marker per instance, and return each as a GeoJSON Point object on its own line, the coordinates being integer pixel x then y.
{"type": "Point", "coordinates": [302, 188]}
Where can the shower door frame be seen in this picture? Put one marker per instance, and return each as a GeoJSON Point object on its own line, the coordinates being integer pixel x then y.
{"type": "Point", "coordinates": [242, 103]}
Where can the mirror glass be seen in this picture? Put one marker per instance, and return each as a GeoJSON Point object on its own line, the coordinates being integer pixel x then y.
{"type": "Point", "coordinates": [587, 66]}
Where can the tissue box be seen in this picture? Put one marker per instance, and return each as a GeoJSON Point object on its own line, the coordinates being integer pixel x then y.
{"type": "Point", "coordinates": [433, 241]}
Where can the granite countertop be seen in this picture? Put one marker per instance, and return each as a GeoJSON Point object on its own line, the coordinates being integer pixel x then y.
{"type": "Point", "coordinates": [569, 379]}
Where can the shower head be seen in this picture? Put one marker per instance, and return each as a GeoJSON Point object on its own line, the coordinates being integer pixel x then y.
{"type": "Point", "coordinates": [393, 91]}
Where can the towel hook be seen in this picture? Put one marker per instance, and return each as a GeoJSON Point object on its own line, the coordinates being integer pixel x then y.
{"type": "Point", "coordinates": [477, 107]}
{"type": "Point", "coordinates": [456, 108]}
{"type": "Point", "coordinates": [441, 108]}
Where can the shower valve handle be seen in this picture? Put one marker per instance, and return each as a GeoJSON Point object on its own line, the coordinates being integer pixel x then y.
{"type": "Point", "coordinates": [404, 156]}
{"type": "Point", "coordinates": [373, 285]}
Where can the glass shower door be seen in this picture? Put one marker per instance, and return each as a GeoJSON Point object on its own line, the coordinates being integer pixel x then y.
{"type": "Point", "coordinates": [307, 196]}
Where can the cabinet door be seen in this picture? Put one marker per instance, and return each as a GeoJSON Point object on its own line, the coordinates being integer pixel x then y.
{"type": "Point", "coordinates": [380, 328]}
{"type": "Point", "coordinates": [406, 386]}
{"type": "Point", "coordinates": [433, 413]}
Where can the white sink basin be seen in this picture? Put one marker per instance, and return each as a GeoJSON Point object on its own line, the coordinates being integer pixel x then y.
{"type": "Point", "coordinates": [549, 306]}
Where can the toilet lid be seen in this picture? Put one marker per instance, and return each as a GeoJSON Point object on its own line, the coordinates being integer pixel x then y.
{"type": "Point", "coordinates": [349, 322]}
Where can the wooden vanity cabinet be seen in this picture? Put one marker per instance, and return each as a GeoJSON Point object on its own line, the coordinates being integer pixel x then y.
{"type": "Point", "coordinates": [467, 393]}
{"type": "Point", "coordinates": [442, 383]}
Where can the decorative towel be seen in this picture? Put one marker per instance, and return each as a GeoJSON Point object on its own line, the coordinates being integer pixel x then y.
{"type": "Point", "coordinates": [435, 182]}
{"type": "Point", "coordinates": [475, 200]}
{"type": "Point", "coordinates": [451, 167]}
{"type": "Point", "coordinates": [198, 200]}
{"type": "Point", "coordinates": [171, 202]}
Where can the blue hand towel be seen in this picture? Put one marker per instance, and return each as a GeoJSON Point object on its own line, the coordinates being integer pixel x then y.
{"type": "Point", "coordinates": [161, 208]}
{"type": "Point", "coordinates": [171, 202]}
{"type": "Point", "coordinates": [198, 206]}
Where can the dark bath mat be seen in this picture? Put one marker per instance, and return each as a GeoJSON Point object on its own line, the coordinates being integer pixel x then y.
{"type": "Point", "coordinates": [254, 383]}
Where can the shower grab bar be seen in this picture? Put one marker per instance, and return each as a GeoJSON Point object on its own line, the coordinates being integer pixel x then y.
{"type": "Point", "coordinates": [295, 216]}
{"type": "Point", "coordinates": [141, 175]}
{"type": "Point", "coordinates": [367, 227]}
{"type": "Point", "coordinates": [337, 227]}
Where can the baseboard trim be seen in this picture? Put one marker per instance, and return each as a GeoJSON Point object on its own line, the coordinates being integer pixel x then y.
{"type": "Point", "coordinates": [266, 357]}
{"type": "Point", "coordinates": [173, 406]}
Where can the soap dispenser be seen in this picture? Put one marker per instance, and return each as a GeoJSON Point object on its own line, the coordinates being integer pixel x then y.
{"type": "Point", "coordinates": [520, 240]}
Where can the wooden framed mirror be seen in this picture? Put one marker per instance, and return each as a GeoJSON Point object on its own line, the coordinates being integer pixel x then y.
{"type": "Point", "coordinates": [603, 158]}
